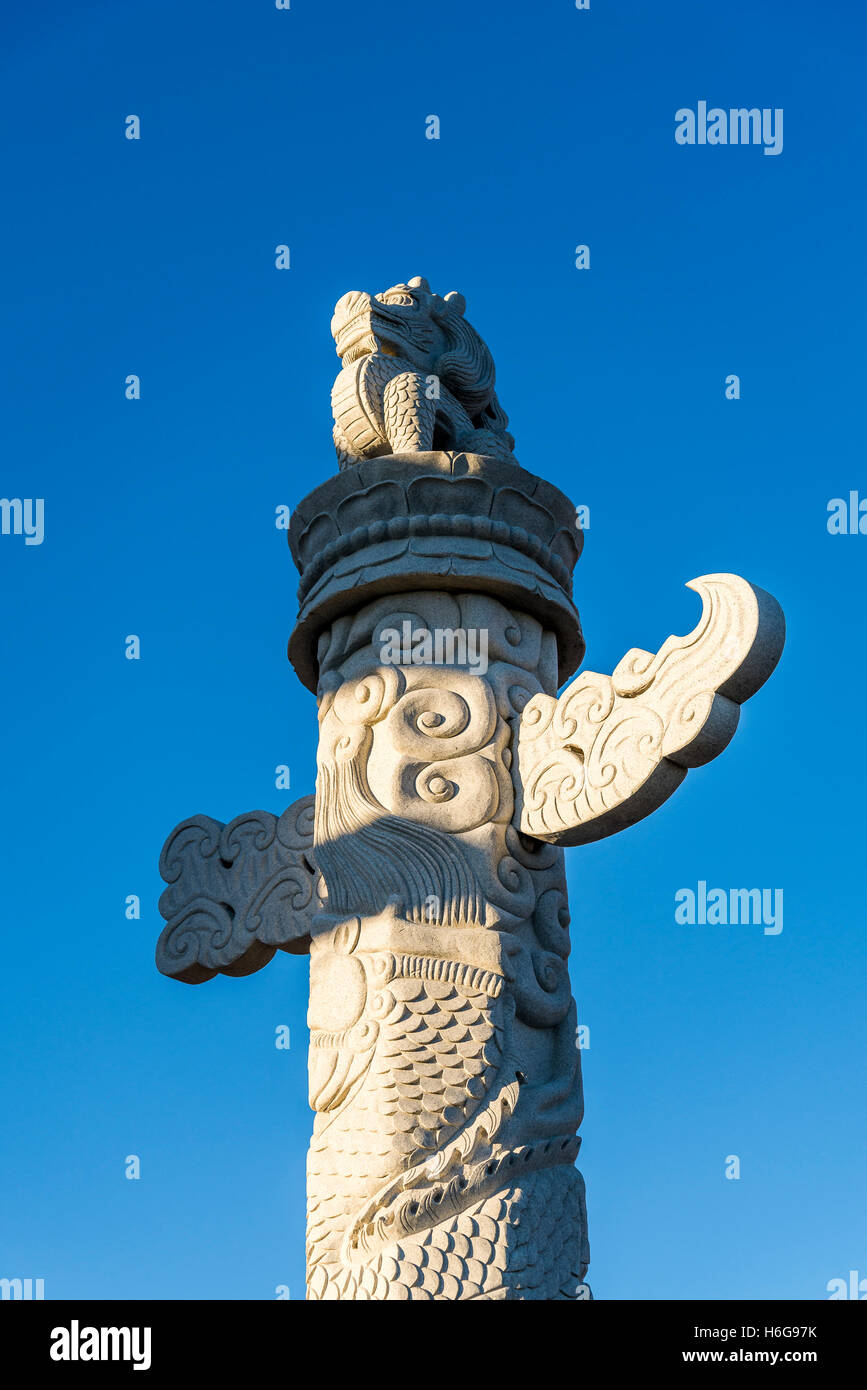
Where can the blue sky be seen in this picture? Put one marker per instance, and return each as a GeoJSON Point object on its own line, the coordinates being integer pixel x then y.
{"type": "Point", "coordinates": [156, 257]}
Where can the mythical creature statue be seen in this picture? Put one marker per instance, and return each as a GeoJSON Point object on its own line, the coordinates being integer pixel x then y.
{"type": "Point", "coordinates": [416, 376]}
{"type": "Point", "coordinates": [426, 877]}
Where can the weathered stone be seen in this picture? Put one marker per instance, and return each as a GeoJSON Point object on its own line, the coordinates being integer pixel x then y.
{"type": "Point", "coordinates": [416, 376]}
{"type": "Point", "coordinates": [438, 521]}
{"type": "Point", "coordinates": [436, 625]}
{"type": "Point", "coordinates": [613, 748]}
{"type": "Point", "coordinates": [237, 893]}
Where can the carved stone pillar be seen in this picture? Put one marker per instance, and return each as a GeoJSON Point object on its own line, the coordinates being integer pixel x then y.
{"type": "Point", "coordinates": [436, 626]}
{"type": "Point", "coordinates": [444, 1068]}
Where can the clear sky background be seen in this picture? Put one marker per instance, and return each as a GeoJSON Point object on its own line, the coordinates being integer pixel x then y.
{"type": "Point", "coordinates": [157, 257]}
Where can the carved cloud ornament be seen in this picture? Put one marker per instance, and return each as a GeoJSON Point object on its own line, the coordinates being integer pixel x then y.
{"type": "Point", "coordinates": [613, 748]}
{"type": "Point", "coordinates": [237, 893]}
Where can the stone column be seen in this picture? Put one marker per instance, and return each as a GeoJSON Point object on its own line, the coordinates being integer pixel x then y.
{"type": "Point", "coordinates": [425, 879]}
{"type": "Point", "coordinates": [444, 1067]}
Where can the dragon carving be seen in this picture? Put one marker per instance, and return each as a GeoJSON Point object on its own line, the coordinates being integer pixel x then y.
{"type": "Point", "coordinates": [426, 877]}
{"type": "Point", "coordinates": [444, 1068]}
{"type": "Point", "coordinates": [416, 376]}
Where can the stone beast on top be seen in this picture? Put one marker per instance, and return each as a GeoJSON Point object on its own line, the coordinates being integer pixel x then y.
{"type": "Point", "coordinates": [416, 377]}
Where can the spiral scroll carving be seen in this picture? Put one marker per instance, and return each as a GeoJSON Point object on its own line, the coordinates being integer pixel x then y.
{"type": "Point", "coordinates": [613, 748]}
{"type": "Point", "coordinates": [444, 1070]}
{"type": "Point", "coordinates": [237, 893]}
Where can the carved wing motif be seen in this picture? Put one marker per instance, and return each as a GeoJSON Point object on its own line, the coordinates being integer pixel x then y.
{"type": "Point", "coordinates": [613, 748]}
{"type": "Point", "coordinates": [237, 893]}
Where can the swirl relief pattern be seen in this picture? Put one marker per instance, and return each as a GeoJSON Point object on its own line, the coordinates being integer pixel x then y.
{"type": "Point", "coordinates": [444, 1071]}
{"type": "Point", "coordinates": [613, 748]}
{"type": "Point", "coordinates": [237, 893]}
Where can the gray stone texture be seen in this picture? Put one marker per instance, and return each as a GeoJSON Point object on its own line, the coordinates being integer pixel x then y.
{"type": "Point", "coordinates": [427, 876]}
